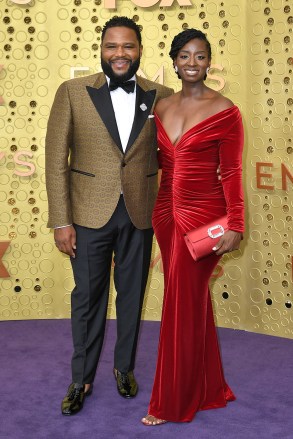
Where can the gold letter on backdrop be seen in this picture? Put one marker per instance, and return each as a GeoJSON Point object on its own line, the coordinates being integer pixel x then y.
{"type": "Point", "coordinates": [3, 247]}
{"type": "Point", "coordinates": [180, 2]}
{"type": "Point", "coordinates": [73, 70]}
{"type": "Point", "coordinates": [31, 166]}
{"type": "Point", "coordinates": [145, 3]}
{"type": "Point", "coordinates": [217, 78]}
{"type": "Point", "coordinates": [285, 173]}
{"type": "Point", "coordinates": [158, 75]}
{"type": "Point", "coordinates": [111, 4]}
{"type": "Point", "coordinates": [260, 174]}
{"type": "Point", "coordinates": [21, 2]}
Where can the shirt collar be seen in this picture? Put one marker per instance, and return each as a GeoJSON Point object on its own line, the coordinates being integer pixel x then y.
{"type": "Point", "coordinates": [130, 79]}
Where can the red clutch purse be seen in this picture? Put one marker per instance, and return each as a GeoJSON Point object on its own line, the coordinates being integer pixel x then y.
{"type": "Point", "coordinates": [200, 241]}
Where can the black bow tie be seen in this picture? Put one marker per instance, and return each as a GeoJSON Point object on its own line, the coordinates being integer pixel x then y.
{"type": "Point", "coordinates": [127, 86]}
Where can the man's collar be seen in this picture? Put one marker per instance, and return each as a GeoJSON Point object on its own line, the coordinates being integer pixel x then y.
{"type": "Point", "coordinates": [130, 79]}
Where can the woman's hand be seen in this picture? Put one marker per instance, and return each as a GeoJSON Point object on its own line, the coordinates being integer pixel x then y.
{"type": "Point", "coordinates": [229, 242]}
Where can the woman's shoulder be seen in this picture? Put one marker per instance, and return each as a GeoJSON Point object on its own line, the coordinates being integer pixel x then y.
{"type": "Point", "coordinates": [220, 102]}
{"type": "Point", "coordinates": [163, 104]}
{"type": "Point", "coordinates": [224, 107]}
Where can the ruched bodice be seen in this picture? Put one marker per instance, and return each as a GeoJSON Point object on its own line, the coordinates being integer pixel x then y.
{"type": "Point", "coordinates": [189, 172]}
{"type": "Point", "coordinates": [189, 375]}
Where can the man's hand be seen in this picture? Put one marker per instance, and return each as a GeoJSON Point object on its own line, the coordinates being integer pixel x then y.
{"type": "Point", "coordinates": [228, 242]}
{"type": "Point", "coordinates": [65, 240]}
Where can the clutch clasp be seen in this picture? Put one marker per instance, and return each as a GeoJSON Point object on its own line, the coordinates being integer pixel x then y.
{"type": "Point", "coordinates": [216, 235]}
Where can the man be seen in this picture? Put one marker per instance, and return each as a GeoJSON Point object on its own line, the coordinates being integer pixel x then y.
{"type": "Point", "coordinates": [101, 174]}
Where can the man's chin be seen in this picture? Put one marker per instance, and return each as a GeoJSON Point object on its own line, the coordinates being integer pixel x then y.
{"type": "Point", "coordinates": [118, 75]}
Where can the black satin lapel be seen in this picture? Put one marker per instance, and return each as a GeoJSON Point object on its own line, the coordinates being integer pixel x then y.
{"type": "Point", "coordinates": [143, 106]}
{"type": "Point", "coordinates": [102, 101]}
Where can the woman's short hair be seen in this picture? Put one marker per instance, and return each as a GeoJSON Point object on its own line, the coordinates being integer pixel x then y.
{"type": "Point", "coordinates": [184, 37]}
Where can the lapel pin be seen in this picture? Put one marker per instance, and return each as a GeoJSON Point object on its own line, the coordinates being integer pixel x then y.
{"type": "Point", "coordinates": [143, 107]}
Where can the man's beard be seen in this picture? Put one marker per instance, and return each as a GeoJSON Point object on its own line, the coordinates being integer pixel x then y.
{"type": "Point", "coordinates": [107, 69]}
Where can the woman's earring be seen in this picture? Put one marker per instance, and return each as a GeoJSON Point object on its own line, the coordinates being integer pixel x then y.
{"type": "Point", "coordinates": [176, 69]}
{"type": "Point", "coordinates": [207, 70]}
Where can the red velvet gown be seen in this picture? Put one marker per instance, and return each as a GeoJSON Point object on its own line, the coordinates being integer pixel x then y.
{"type": "Point", "coordinates": [189, 375]}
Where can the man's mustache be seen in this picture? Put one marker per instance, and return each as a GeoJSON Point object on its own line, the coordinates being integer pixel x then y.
{"type": "Point", "coordinates": [120, 59]}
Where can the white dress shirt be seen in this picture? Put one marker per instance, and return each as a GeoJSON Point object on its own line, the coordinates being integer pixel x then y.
{"type": "Point", "coordinates": [124, 109]}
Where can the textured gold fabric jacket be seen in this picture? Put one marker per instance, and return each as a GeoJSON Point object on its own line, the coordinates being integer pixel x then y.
{"type": "Point", "coordinates": [86, 168]}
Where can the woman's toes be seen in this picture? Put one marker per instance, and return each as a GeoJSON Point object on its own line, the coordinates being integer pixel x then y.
{"type": "Point", "coordinates": [152, 420]}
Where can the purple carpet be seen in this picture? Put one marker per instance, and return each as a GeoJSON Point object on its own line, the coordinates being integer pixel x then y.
{"type": "Point", "coordinates": [35, 372]}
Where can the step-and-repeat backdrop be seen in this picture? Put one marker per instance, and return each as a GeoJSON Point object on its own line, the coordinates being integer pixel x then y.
{"type": "Point", "coordinates": [44, 42]}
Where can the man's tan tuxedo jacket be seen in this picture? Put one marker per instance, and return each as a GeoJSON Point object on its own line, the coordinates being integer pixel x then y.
{"type": "Point", "coordinates": [86, 168]}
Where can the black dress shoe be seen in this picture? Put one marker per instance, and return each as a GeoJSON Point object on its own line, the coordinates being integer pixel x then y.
{"type": "Point", "coordinates": [74, 399]}
{"type": "Point", "coordinates": [126, 384]}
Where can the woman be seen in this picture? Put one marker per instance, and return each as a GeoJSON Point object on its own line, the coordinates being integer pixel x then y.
{"type": "Point", "coordinates": [198, 130]}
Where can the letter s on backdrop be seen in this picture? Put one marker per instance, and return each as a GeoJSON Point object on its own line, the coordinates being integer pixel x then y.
{"type": "Point", "coordinates": [21, 2]}
{"type": "Point", "coordinates": [31, 166]}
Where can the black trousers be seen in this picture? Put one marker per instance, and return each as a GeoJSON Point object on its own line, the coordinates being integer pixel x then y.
{"type": "Point", "coordinates": [91, 268]}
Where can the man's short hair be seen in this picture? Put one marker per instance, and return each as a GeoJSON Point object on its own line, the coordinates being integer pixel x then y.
{"type": "Point", "coordinates": [122, 22]}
